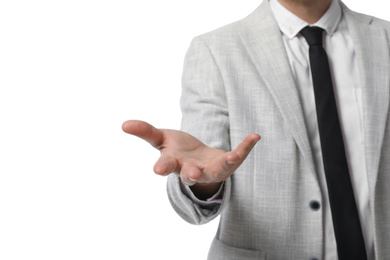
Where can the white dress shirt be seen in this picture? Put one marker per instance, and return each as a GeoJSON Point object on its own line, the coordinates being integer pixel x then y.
{"type": "Point", "coordinates": [343, 65]}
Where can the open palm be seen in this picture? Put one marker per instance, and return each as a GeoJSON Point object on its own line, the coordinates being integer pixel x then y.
{"type": "Point", "coordinates": [183, 154]}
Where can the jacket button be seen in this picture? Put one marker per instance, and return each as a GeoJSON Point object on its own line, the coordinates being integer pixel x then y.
{"type": "Point", "coordinates": [314, 205]}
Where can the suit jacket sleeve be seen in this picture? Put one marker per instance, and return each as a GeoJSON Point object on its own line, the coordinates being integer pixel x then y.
{"type": "Point", "coordinates": [205, 116]}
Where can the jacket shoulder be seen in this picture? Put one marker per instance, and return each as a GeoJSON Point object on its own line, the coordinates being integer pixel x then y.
{"type": "Point", "coordinates": [222, 34]}
{"type": "Point", "coordinates": [232, 31]}
{"type": "Point", "coordinates": [372, 19]}
{"type": "Point", "coordinates": [382, 23]}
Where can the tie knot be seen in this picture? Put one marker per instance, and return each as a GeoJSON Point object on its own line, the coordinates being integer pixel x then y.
{"type": "Point", "coordinates": [313, 35]}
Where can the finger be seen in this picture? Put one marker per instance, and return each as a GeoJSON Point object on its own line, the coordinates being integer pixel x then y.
{"type": "Point", "coordinates": [244, 148]}
{"type": "Point", "coordinates": [233, 159]}
{"type": "Point", "coordinates": [165, 165]}
{"type": "Point", "coordinates": [230, 159]}
{"type": "Point", "coordinates": [222, 167]}
{"type": "Point", "coordinates": [145, 131]}
{"type": "Point", "coordinates": [225, 165]}
{"type": "Point", "coordinates": [190, 174]}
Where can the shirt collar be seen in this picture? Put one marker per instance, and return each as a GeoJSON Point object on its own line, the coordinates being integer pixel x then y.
{"type": "Point", "coordinates": [290, 24]}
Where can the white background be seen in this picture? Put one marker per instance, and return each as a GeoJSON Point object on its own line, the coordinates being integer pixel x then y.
{"type": "Point", "coordinates": [72, 184]}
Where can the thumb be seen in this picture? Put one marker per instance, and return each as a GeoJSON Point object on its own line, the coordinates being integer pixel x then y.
{"type": "Point", "coordinates": [246, 146]}
{"type": "Point", "coordinates": [233, 159]}
{"type": "Point", "coordinates": [226, 164]}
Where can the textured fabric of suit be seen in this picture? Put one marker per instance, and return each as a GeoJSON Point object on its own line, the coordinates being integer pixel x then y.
{"type": "Point", "coordinates": [237, 80]}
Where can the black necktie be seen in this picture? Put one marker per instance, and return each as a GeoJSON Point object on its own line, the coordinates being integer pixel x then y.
{"type": "Point", "coordinates": [348, 232]}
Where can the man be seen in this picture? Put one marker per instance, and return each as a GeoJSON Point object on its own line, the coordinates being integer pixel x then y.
{"type": "Point", "coordinates": [256, 76]}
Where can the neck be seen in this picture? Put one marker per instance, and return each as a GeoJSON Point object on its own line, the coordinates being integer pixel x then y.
{"type": "Point", "coordinates": [308, 10]}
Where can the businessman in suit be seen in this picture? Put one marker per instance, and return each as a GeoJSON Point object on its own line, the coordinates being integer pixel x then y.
{"type": "Point", "coordinates": [256, 76]}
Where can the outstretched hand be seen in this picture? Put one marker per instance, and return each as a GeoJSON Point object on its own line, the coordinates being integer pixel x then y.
{"type": "Point", "coordinates": [193, 161]}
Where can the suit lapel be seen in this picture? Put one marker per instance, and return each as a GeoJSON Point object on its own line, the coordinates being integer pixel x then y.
{"type": "Point", "coordinates": [372, 50]}
{"type": "Point", "coordinates": [262, 38]}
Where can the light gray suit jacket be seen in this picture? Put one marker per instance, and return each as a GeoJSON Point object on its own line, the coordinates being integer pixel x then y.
{"type": "Point", "coordinates": [237, 80]}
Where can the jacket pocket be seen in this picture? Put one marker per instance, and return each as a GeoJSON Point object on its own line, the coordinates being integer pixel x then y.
{"type": "Point", "coordinates": [221, 251]}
